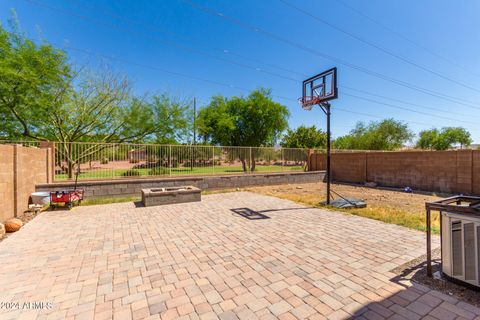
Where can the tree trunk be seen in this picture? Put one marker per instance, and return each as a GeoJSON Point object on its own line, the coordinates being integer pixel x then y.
{"type": "Point", "coordinates": [253, 153]}
{"type": "Point", "coordinates": [70, 169]}
{"type": "Point", "coordinates": [244, 164]}
{"type": "Point", "coordinates": [69, 162]}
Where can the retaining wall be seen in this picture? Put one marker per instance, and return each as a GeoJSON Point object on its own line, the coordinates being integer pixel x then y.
{"type": "Point", "coordinates": [128, 187]}
{"type": "Point", "coordinates": [455, 171]}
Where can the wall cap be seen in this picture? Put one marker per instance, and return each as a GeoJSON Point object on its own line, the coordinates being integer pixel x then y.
{"type": "Point", "coordinates": [85, 183]}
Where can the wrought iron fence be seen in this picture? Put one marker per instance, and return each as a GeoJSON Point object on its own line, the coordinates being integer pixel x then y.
{"type": "Point", "coordinates": [111, 161]}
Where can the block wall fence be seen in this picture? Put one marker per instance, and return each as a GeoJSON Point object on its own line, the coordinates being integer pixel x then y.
{"type": "Point", "coordinates": [21, 168]}
{"type": "Point", "coordinates": [25, 169]}
{"type": "Point", "coordinates": [455, 171]}
{"type": "Point", "coordinates": [133, 187]}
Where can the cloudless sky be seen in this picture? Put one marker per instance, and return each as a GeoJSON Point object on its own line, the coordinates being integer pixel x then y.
{"type": "Point", "coordinates": [436, 43]}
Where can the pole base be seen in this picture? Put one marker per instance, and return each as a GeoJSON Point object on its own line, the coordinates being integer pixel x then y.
{"type": "Point", "coordinates": [346, 203]}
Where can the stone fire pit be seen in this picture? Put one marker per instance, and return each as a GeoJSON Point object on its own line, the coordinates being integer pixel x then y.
{"type": "Point", "coordinates": [160, 196]}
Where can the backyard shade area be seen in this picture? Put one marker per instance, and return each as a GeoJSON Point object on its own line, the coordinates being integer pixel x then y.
{"type": "Point", "coordinates": [207, 260]}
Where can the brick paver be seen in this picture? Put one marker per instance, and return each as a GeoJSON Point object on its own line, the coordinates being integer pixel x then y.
{"type": "Point", "coordinates": [203, 261]}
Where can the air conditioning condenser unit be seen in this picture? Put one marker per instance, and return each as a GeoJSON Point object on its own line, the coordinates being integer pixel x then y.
{"type": "Point", "coordinates": [461, 247]}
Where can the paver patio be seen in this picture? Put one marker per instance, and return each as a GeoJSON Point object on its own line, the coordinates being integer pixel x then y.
{"type": "Point", "coordinates": [204, 261]}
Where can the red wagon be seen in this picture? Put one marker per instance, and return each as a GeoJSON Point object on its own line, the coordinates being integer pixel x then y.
{"type": "Point", "coordinates": [67, 198]}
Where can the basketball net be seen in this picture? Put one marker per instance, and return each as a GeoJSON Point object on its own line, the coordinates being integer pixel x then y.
{"type": "Point", "coordinates": [308, 102]}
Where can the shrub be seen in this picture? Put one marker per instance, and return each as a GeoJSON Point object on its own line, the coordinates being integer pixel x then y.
{"type": "Point", "coordinates": [131, 173]}
{"type": "Point", "coordinates": [158, 171]}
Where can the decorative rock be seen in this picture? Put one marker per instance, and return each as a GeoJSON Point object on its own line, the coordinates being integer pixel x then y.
{"type": "Point", "coordinates": [2, 230]}
{"type": "Point", "coordinates": [12, 225]}
{"type": "Point", "coordinates": [370, 184]}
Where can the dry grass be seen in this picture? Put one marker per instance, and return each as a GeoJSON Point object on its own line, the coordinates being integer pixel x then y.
{"type": "Point", "coordinates": [108, 200]}
{"type": "Point", "coordinates": [118, 199]}
{"type": "Point", "coordinates": [391, 215]}
{"type": "Point", "coordinates": [389, 206]}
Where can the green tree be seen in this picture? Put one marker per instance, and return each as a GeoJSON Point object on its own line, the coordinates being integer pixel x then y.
{"type": "Point", "coordinates": [304, 137]}
{"type": "Point", "coordinates": [33, 79]}
{"type": "Point", "coordinates": [159, 118]}
{"type": "Point", "coordinates": [41, 98]}
{"type": "Point", "coordinates": [427, 139]}
{"type": "Point", "coordinates": [444, 139]}
{"type": "Point", "coordinates": [255, 120]}
{"type": "Point", "coordinates": [387, 134]}
{"type": "Point", "coordinates": [100, 109]}
{"type": "Point", "coordinates": [456, 136]}
{"type": "Point", "coordinates": [173, 118]}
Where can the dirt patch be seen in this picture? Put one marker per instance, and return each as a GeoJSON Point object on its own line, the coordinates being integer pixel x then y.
{"type": "Point", "coordinates": [314, 193]}
{"type": "Point", "coordinates": [388, 205]}
{"type": "Point", "coordinates": [416, 271]}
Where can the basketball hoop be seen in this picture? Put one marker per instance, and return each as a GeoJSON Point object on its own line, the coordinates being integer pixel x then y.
{"type": "Point", "coordinates": [308, 102]}
{"type": "Point", "coordinates": [318, 90]}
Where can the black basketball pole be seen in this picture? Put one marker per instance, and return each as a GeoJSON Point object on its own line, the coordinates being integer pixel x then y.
{"type": "Point", "coordinates": [327, 107]}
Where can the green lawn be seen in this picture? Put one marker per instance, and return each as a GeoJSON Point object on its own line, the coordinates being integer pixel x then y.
{"type": "Point", "coordinates": [119, 173]}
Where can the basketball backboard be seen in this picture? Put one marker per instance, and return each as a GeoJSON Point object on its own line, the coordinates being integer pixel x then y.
{"type": "Point", "coordinates": [319, 88]}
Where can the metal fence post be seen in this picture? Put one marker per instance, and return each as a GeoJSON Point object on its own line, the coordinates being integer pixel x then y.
{"type": "Point", "coordinates": [213, 159]}
{"type": "Point", "coordinates": [170, 160]}
{"type": "Point", "coordinates": [250, 162]}
{"type": "Point", "coordinates": [283, 160]}
{"type": "Point", "coordinates": [53, 154]}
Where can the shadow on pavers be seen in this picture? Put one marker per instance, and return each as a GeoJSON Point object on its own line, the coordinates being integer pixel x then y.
{"type": "Point", "coordinates": [249, 214]}
{"type": "Point", "coordinates": [138, 204]}
{"type": "Point", "coordinates": [258, 215]}
{"type": "Point", "coordinates": [422, 296]}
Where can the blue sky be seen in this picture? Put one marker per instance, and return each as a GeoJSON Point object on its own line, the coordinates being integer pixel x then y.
{"type": "Point", "coordinates": [430, 45]}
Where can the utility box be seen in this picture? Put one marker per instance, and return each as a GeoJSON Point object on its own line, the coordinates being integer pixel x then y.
{"type": "Point", "coordinates": [460, 238]}
{"type": "Point", "coordinates": [461, 247]}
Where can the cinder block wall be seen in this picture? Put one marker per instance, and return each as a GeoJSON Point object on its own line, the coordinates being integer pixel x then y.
{"type": "Point", "coordinates": [350, 168]}
{"type": "Point", "coordinates": [127, 187]}
{"type": "Point", "coordinates": [455, 171]}
{"type": "Point", "coordinates": [476, 172]}
{"type": "Point", "coordinates": [21, 168]}
{"type": "Point", "coordinates": [7, 202]}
